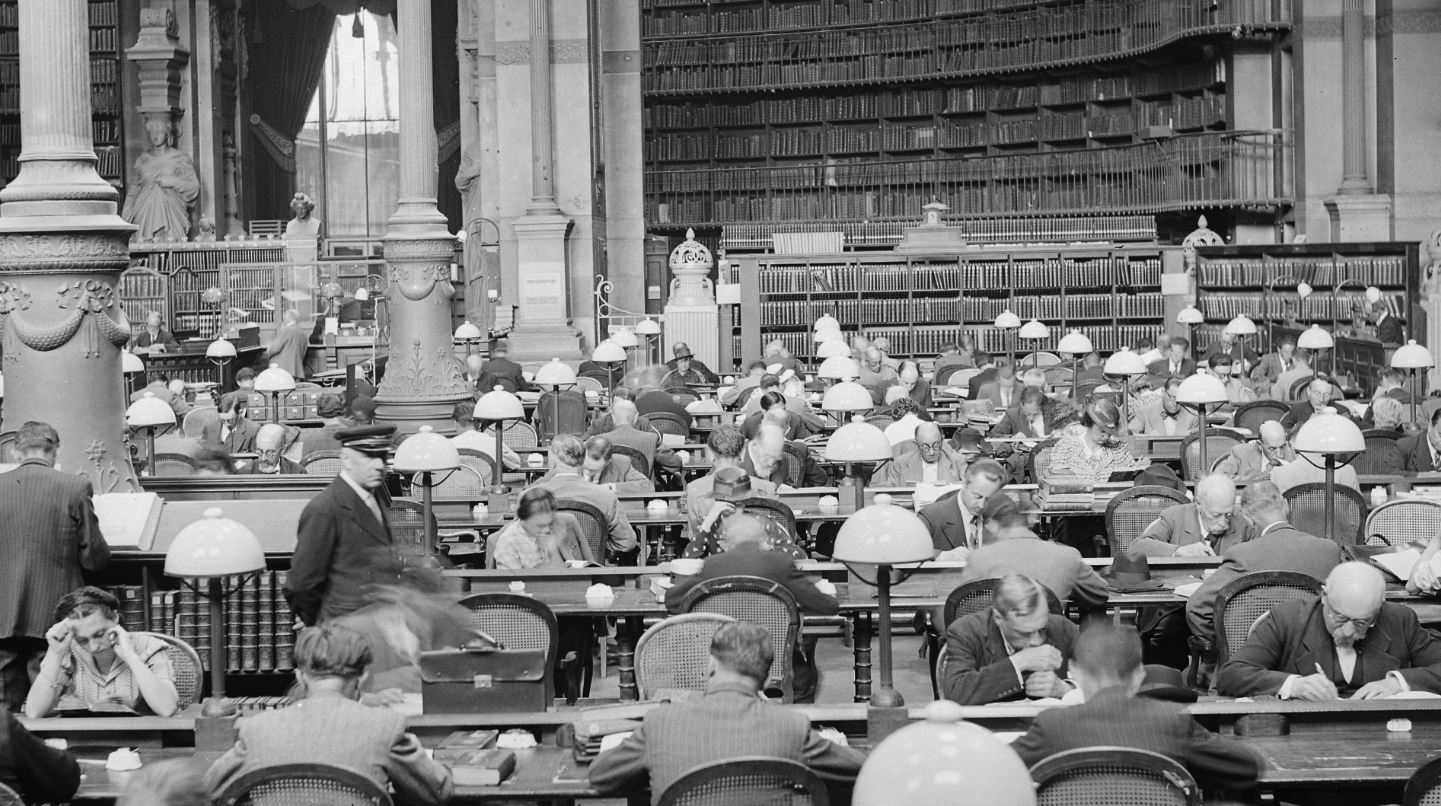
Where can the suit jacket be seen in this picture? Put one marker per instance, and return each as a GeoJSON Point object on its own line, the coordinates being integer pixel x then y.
{"type": "Point", "coordinates": [907, 467]}
{"type": "Point", "coordinates": [50, 536]}
{"type": "Point", "coordinates": [778, 472]}
{"type": "Point", "coordinates": [1284, 548]}
{"type": "Point", "coordinates": [163, 336]}
{"type": "Point", "coordinates": [620, 473]}
{"type": "Point", "coordinates": [729, 721]}
{"type": "Point", "coordinates": [1055, 565]}
{"type": "Point", "coordinates": [1303, 411]}
{"type": "Point", "coordinates": [288, 350]}
{"type": "Point", "coordinates": [657, 400]}
{"type": "Point", "coordinates": [1388, 330]}
{"type": "Point", "coordinates": [697, 367]}
{"type": "Point", "coordinates": [340, 552]}
{"type": "Point", "coordinates": [991, 390]}
{"type": "Point", "coordinates": [648, 443]}
{"type": "Point", "coordinates": [921, 393]}
{"type": "Point", "coordinates": [1162, 368]}
{"type": "Point", "coordinates": [242, 436]}
{"type": "Point", "coordinates": [699, 498]}
{"type": "Point", "coordinates": [1180, 525]}
{"type": "Point", "coordinates": [572, 487]}
{"type": "Point", "coordinates": [1148, 417]}
{"type": "Point", "coordinates": [1246, 463]}
{"type": "Point", "coordinates": [504, 373]}
{"type": "Point", "coordinates": [752, 559]}
{"type": "Point", "coordinates": [38, 773]}
{"type": "Point", "coordinates": [1293, 639]}
{"type": "Point", "coordinates": [1270, 366]}
{"type": "Point", "coordinates": [334, 730]}
{"type": "Point", "coordinates": [1115, 718]}
{"type": "Point", "coordinates": [1417, 452]}
{"type": "Point", "coordinates": [973, 387]}
{"type": "Point", "coordinates": [978, 667]}
{"type": "Point", "coordinates": [947, 523]}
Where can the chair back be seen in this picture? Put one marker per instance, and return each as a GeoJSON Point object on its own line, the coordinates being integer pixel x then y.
{"type": "Point", "coordinates": [1251, 415]}
{"type": "Point", "coordinates": [592, 524]}
{"type": "Point", "coordinates": [601, 377]}
{"type": "Point", "coordinates": [1424, 787]}
{"type": "Point", "coordinates": [749, 780]}
{"type": "Point", "coordinates": [674, 654]}
{"type": "Point", "coordinates": [7, 448]}
{"type": "Point", "coordinates": [1041, 360]}
{"type": "Point", "coordinates": [321, 463]}
{"type": "Point", "coordinates": [1058, 375]}
{"type": "Point", "coordinates": [759, 601]}
{"type": "Point", "coordinates": [185, 665]}
{"type": "Point", "coordinates": [517, 622]}
{"type": "Point", "coordinates": [1297, 392]}
{"type": "Point", "coordinates": [465, 483]}
{"type": "Point", "coordinates": [407, 526]}
{"type": "Point", "coordinates": [954, 375]}
{"type": "Point", "coordinates": [9, 797]}
{"type": "Point", "coordinates": [1308, 511]}
{"type": "Point", "coordinates": [1382, 456]}
{"type": "Point", "coordinates": [974, 597]}
{"type": "Point", "coordinates": [1248, 597]}
{"type": "Point", "coordinates": [563, 413]}
{"type": "Point", "coordinates": [1218, 443]}
{"type": "Point", "coordinates": [303, 785]}
{"type": "Point", "coordinates": [1118, 776]}
{"type": "Point", "coordinates": [682, 395]}
{"type": "Point", "coordinates": [668, 422]}
{"type": "Point", "coordinates": [796, 454]}
{"type": "Point", "coordinates": [174, 464]}
{"type": "Point", "coordinates": [520, 434]}
{"type": "Point", "coordinates": [636, 457]}
{"type": "Point", "coordinates": [591, 383]}
{"type": "Point", "coordinates": [1403, 521]}
{"type": "Point", "coordinates": [1132, 511]}
{"type": "Point", "coordinates": [880, 421]}
{"type": "Point", "coordinates": [745, 396]}
{"type": "Point", "coordinates": [481, 461]}
{"type": "Point", "coordinates": [1041, 460]}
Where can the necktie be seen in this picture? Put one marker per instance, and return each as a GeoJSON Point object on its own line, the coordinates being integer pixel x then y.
{"type": "Point", "coordinates": [374, 508]}
{"type": "Point", "coordinates": [973, 534]}
{"type": "Point", "coordinates": [1005, 397]}
{"type": "Point", "coordinates": [224, 432]}
{"type": "Point", "coordinates": [1038, 426]}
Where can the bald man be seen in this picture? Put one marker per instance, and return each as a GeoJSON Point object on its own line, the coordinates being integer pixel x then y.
{"type": "Point", "coordinates": [876, 375]}
{"type": "Point", "coordinates": [269, 442]}
{"type": "Point", "coordinates": [927, 458]}
{"type": "Point", "coordinates": [1349, 643]}
{"type": "Point", "coordinates": [1254, 461]}
{"type": "Point", "coordinates": [1206, 528]}
{"type": "Point", "coordinates": [917, 387]}
{"type": "Point", "coordinates": [625, 415]}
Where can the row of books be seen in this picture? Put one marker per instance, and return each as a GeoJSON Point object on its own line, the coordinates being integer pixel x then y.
{"type": "Point", "coordinates": [1051, 229]}
{"type": "Point", "coordinates": [104, 39]}
{"type": "Point", "coordinates": [1320, 272]}
{"type": "Point", "coordinates": [102, 13]}
{"type": "Point", "coordinates": [996, 275]}
{"type": "Point", "coordinates": [867, 312]}
{"type": "Point", "coordinates": [259, 630]}
{"type": "Point", "coordinates": [104, 130]}
{"type": "Point", "coordinates": [930, 340]}
{"type": "Point", "coordinates": [110, 162]}
{"type": "Point", "coordinates": [1322, 307]}
{"type": "Point", "coordinates": [718, 20]}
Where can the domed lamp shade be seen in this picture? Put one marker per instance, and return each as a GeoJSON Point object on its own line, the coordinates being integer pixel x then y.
{"type": "Point", "coordinates": [859, 441]}
{"type": "Point", "coordinates": [1074, 343]}
{"type": "Point", "coordinates": [220, 351]}
{"type": "Point", "coordinates": [832, 348]}
{"type": "Point", "coordinates": [149, 412]}
{"type": "Point", "coordinates": [211, 549]}
{"type": "Point", "coordinates": [839, 367]}
{"type": "Point", "coordinates": [608, 352]}
{"type": "Point", "coordinates": [829, 334]}
{"type": "Point", "coordinates": [1190, 315]}
{"type": "Point", "coordinates": [274, 379]}
{"type": "Point", "coordinates": [1315, 337]}
{"type": "Point", "coordinates": [130, 362]}
{"type": "Point", "coordinates": [555, 374]}
{"type": "Point", "coordinates": [1034, 330]}
{"type": "Point", "coordinates": [424, 453]}
{"type": "Point", "coordinates": [1125, 362]}
{"type": "Point", "coordinates": [1240, 326]}
{"type": "Point", "coordinates": [1328, 441]}
{"type": "Point", "coordinates": [1200, 392]}
{"type": "Point", "coordinates": [827, 322]}
{"type": "Point", "coordinates": [847, 396]}
{"type": "Point", "coordinates": [626, 339]}
{"type": "Point", "coordinates": [467, 331]}
{"type": "Point", "coordinates": [497, 406]}
{"type": "Point", "coordinates": [928, 763]}
{"type": "Point", "coordinates": [1413, 358]}
{"type": "Point", "coordinates": [648, 327]}
{"type": "Point", "coordinates": [1007, 320]}
{"type": "Point", "coordinates": [362, 294]}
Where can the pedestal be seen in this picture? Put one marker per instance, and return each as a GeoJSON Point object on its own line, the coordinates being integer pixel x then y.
{"type": "Point", "coordinates": [542, 330]}
{"type": "Point", "coordinates": [697, 326]}
{"type": "Point", "coordinates": [1360, 217]}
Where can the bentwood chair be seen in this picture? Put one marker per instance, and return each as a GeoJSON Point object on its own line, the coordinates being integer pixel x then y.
{"type": "Point", "coordinates": [184, 665]}
{"type": "Point", "coordinates": [1117, 776]}
{"type": "Point", "coordinates": [592, 524]}
{"type": "Point", "coordinates": [668, 422]}
{"type": "Point", "coordinates": [1382, 457]}
{"type": "Point", "coordinates": [1131, 511]}
{"type": "Point", "coordinates": [1406, 520]}
{"type": "Point", "coordinates": [524, 622]}
{"type": "Point", "coordinates": [1308, 511]}
{"type": "Point", "coordinates": [1239, 604]}
{"type": "Point", "coordinates": [303, 785]}
{"type": "Point", "coordinates": [1251, 415]}
{"type": "Point", "coordinates": [674, 654]}
{"type": "Point", "coordinates": [481, 461]}
{"type": "Point", "coordinates": [9, 797]}
{"type": "Point", "coordinates": [1218, 443]}
{"type": "Point", "coordinates": [321, 463]}
{"type": "Point", "coordinates": [965, 599]}
{"type": "Point", "coordinates": [750, 780]}
{"type": "Point", "coordinates": [759, 601]}
{"type": "Point", "coordinates": [174, 464]}
{"type": "Point", "coordinates": [1424, 788]}
{"type": "Point", "coordinates": [637, 459]}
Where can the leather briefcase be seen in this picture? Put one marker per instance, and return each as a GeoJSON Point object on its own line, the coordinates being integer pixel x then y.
{"type": "Point", "coordinates": [467, 681]}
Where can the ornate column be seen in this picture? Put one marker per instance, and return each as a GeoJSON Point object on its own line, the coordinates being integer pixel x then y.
{"type": "Point", "coordinates": [1357, 212]}
{"type": "Point", "coordinates": [691, 315]}
{"type": "Point", "coordinates": [423, 380]}
{"type": "Point", "coordinates": [62, 248]}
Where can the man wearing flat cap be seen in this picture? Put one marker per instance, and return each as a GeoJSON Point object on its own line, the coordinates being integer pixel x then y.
{"type": "Point", "coordinates": [684, 368]}
{"type": "Point", "coordinates": [344, 544]}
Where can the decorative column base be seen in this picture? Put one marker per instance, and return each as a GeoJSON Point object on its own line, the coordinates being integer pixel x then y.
{"type": "Point", "coordinates": [1360, 217]}
{"type": "Point", "coordinates": [696, 326]}
{"type": "Point", "coordinates": [542, 329]}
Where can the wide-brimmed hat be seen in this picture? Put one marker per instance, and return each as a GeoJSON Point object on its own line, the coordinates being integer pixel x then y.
{"type": "Point", "coordinates": [1104, 413]}
{"type": "Point", "coordinates": [731, 484]}
{"type": "Point", "coordinates": [1165, 683]}
{"type": "Point", "coordinates": [682, 351]}
{"type": "Point", "coordinates": [1131, 573]}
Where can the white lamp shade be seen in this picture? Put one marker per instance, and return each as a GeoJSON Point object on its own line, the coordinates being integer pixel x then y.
{"type": "Point", "coordinates": [220, 349]}
{"type": "Point", "coordinates": [1315, 338]}
{"type": "Point", "coordinates": [1303, 289]}
{"type": "Point", "coordinates": [859, 441]}
{"type": "Point", "coordinates": [1124, 361]}
{"type": "Point", "coordinates": [1201, 389]}
{"type": "Point", "coordinates": [1190, 315]}
{"type": "Point", "coordinates": [1373, 294]}
{"type": "Point", "coordinates": [149, 411]}
{"type": "Point", "coordinates": [882, 533]}
{"type": "Point", "coordinates": [1034, 330]}
{"type": "Point", "coordinates": [648, 327]}
{"type": "Point", "coordinates": [847, 396]}
{"type": "Point", "coordinates": [130, 362]}
{"type": "Point", "coordinates": [1412, 356]}
{"type": "Point", "coordinates": [214, 546]}
{"type": "Point", "coordinates": [940, 757]}
{"type": "Point", "coordinates": [1329, 433]}
{"type": "Point", "coordinates": [1074, 343]}
{"type": "Point", "coordinates": [827, 322]}
{"type": "Point", "coordinates": [839, 368]}
{"type": "Point", "coordinates": [555, 373]}
{"type": "Point", "coordinates": [468, 332]}
{"type": "Point", "coordinates": [608, 352]}
{"type": "Point", "coordinates": [832, 348]}
{"type": "Point", "coordinates": [362, 294]}
{"type": "Point", "coordinates": [1241, 326]}
{"type": "Point", "coordinates": [829, 334]}
{"type": "Point", "coordinates": [498, 405]}
{"type": "Point", "coordinates": [274, 379]}
{"type": "Point", "coordinates": [1008, 320]}
{"type": "Point", "coordinates": [426, 450]}
{"type": "Point", "coordinates": [626, 339]}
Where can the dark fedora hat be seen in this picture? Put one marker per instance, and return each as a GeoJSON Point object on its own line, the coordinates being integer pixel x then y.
{"type": "Point", "coordinates": [731, 484]}
{"type": "Point", "coordinates": [1165, 683]}
{"type": "Point", "coordinates": [1128, 574]}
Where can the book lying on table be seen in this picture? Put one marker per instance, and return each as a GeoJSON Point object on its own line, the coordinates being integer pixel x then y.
{"type": "Point", "coordinates": [470, 767]}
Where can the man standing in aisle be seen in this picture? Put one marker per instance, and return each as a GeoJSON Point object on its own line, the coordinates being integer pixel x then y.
{"type": "Point", "coordinates": [50, 536]}
{"type": "Point", "coordinates": [287, 349]}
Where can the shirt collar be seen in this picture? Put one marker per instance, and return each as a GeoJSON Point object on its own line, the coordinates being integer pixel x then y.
{"type": "Point", "coordinates": [1277, 524]}
{"type": "Point", "coordinates": [731, 688]}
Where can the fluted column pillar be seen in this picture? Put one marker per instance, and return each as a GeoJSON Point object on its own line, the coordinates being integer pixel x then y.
{"type": "Point", "coordinates": [1354, 177]}
{"type": "Point", "coordinates": [542, 114]}
{"type": "Point", "coordinates": [423, 380]}
{"type": "Point", "coordinates": [62, 248]}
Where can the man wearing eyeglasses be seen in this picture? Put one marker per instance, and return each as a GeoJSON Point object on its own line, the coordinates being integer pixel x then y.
{"type": "Point", "coordinates": [927, 459]}
{"type": "Point", "coordinates": [1350, 643]}
{"type": "Point", "coordinates": [1206, 528]}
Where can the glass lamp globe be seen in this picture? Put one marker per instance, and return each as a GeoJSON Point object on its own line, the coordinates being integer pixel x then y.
{"type": "Point", "coordinates": [214, 546]}
{"type": "Point", "coordinates": [839, 368]}
{"type": "Point", "coordinates": [1008, 320]}
{"type": "Point", "coordinates": [1034, 330]}
{"type": "Point", "coordinates": [1303, 289]}
{"type": "Point", "coordinates": [1190, 315]}
{"type": "Point", "coordinates": [827, 322]}
{"type": "Point", "coordinates": [497, 405]}
{"type": "Point", "coordinates": [1329, 433]}
{"type": "Point", "coordinates": [626, 339]}
{"type": "Point", "coordinates": [608, 352]}
{"type": "Point", "coordinates": [1201, 389]}
{"type": "Point", "coordinates": [859, 441]}
{"type": "Point", "coordinates": [829, 334]}
{"type": "Point", "coordinates": [426, 450]}
{"type": "Point", "coordinates": [130, 362]}
{"type": "Point", "coordinates": [220, 349]}
{"type": "Point", "coordinates": [1074, 343]}
{"type": "Point", "coordinates": [832, 348]}
{"type": "Point", "coordinates": [1315, 338]}
{"type": "Point", "coordinates": [882, 533]}
{"type": "Point", "coordinates": [648, 327]}
{"type": "Point", "coordinates": [149, 411]}
{"type": "Point", "coordinates": [1373, 294]}
{"type": "Point", "coordinates": [1124, 361]}
{"type": "Point", "coordinates": [274, 379]}
{"type": "Point", "coordinates": [1412, 356]}
{"type": "Point", "coordinates": [1241, 326]}
{"type": "Point", "coordinates": [847, 396]}
{"type": "Point", "coordinates": [468, 332]}
{"type": "Point", "coordinates": [555, 374]}
{"type": "Point", "coordinates": [362, 294]}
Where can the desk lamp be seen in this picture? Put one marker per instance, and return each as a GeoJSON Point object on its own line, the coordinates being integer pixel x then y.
{"type": "Point", "coordinates": [649, 328]}
{"type": "Point", "coordinates": [833, 348]}
{"type": "Point", "coordinates": [857, 443]}
{"type": "Point", "coordinates": [497, 407]}
{"type": "Point", "coordinates": [846, 397]}
{"type": "Point", "coordinates": [1413, 357]}
{"type": "Point", "coordinates": [1335, 441]}
{"type": "Point", "coordinates": [827, 322]}
{"type": "Point", "coordinates": [1199, 393]}
{"type": "Point", "coordinates": [149, 413]}
{"type": "Point", "coordinates": [1007, 321]}
{"type": "Point", "coordinates": [1241, 327]}
{"type": "Point", "coordinates": [130, 365]}
{"type": "Point", "coordinates": [1125, 363]}
{"type": "Point", "coordinates": [612, 356]}
{"type": "Point", "coordinates": [872, 543]}
{"type": "Point", "coordinates": [274, 382]}
{"type": "Point", "coordinates": [839, 368]}
{"type": "Point", "coordinates": [940, 757]}
{"type": "Point", "coordinates": [1315, 339]}
{"type": "Point", "coordinates": [220, 352]}
{"type": "Point", "coordinates": [1190, 316]}
{"type": "Point", "coordinates": [1034, 331]}
{"type": "Point", "coordinates": [212, 549]}
{"type": "Point", "coordinates": [555, 376]}
{"type": "Point", "coordinates": [425, 453]}
{"type": "Point", "coordinates": [468, 334]}
{"type": "Point", "coordinates": [1075, 344]}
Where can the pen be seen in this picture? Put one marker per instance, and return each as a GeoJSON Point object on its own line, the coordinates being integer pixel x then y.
{"type": "Point", "coordinates": [1320, 671]}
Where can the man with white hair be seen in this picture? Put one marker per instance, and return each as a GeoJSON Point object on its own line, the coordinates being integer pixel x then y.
{"type": "Point", "coordinates": [1319, 396]}
{"type": "Point", "coordinates": [765, 456]}
{"type": "Point", "coordinates": [876, 376]}
{"type": "Point", "coordinates": [1252, 461]}
{"type": "Point", "coordinates": [1206, 528]}
{"type": "Point", "coordinates": [776, 353]}
{"type": "Point", "coordinates": [624, 415]}
{"type": "Point", "coordinates": [269, 442]}
{"type": "Point", "coordinates": [1349, 643]}
{"type": "Point", "coordinates": [917, 387]}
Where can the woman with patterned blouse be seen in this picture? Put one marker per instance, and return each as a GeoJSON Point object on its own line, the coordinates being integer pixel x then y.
{"type": "Point", "coordinates": [1089, 450]}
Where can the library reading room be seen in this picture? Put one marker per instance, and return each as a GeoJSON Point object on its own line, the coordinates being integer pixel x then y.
{"type": "Point", "coordinates": [720, 402]}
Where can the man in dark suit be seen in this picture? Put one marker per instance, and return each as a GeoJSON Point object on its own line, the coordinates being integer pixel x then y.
{"type": "Point", "coordinates": [269, 459]}
{"type": "Point", "coordinates": [1176, 364]}
{"type": "Point", "coordinates": [1318, 396]}
{"type": "Point", "coordinates": [1012, 650]}
{"type": "Point", "coordinates": [986, 373]}
{"type": "Point", "coordinates": [344, 544]}
{"type": "Point", "coordinates": [1388, 327]}
{"type": "Point", "coordinates": [918, 388]}
{"type": "Point", "coordinates": [957, 522]}
{"type": "Point", "coordinates": [50, 536]}
{"type": "Point", "coordinates": [1012, 548]}
{"type": "Point", "coordinates": [686, 369]}
{"type": "Point", "coordinates": [1349, 643]}
{"type": "Point", "coordinates": [603, 467]}
{"type": "Point", "coordinates": [625, 415]}
{"type": "Point", "coordinates": [728, 721]}
{"type": "Point", "coordinates": [765, 454]}
{"type": "Point", "coordinates": [1284, 359]}
{"type": "Point", "coordinates": [567, 481]}
{"type": "Point", "coordinates": [1107, 666]}
{"type": "Point", "coordinates": [1422, 450]}
{"type": "Point", "coordinates": [154, 338]}
{"type": "Point", "coordinates": [1278, 546]}
{"type": "Point", "coordinates": [1238, 351]}
{"type": "Point", "coordinates": [501, 371]}
{"type": "Point", "coordinates": [38, 773]}
{"type": "Point", "coordinates": [1004, 390]}
{"type": "Point", "coordinates": [1205, 528]}
{"type": "Point", "coordinates": [237, 432]}
{"type": "Point", "coordinates": [1035, 416]}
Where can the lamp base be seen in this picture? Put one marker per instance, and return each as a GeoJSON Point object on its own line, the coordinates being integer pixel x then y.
{"type": "Point", "coordinates": [883, 720]}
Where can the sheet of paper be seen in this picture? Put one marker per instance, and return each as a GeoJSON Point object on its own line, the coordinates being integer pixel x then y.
{"type": "Point", "coordinates": [1399, 563]}
{"type": "Point", "coordinates": [613, 741]}
{"type": "Point", "coordinates": [1187, 589]}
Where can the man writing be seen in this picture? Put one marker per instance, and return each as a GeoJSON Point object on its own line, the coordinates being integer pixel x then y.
{"type": "Point", "coordinates": [154, 338]}
{"type": "Point", "coordinates": [927, 459]}
{"type": "Point", "coordinates": [602, 467]}
{"type": "Point", "coordinates": [957, 522]}
{"type": "Point", "coordinates": [876, 375]}
{"type": "Point", "coordinates": [1161, 414]}
{"type": "Point", "coordinates": [1253, 461]}
{"type": "Point", "coordinates": [1203, 529]}
{"type": "Point", "coordinates": [1422, 451]}
{"type": "Point", "coordinates": [1014, 649]}
{"type": "Point", "coordinates": [1012, 548]}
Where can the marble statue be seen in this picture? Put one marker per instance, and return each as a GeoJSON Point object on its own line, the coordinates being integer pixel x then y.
{"type": "Point", "coordinates": [163, 187]}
